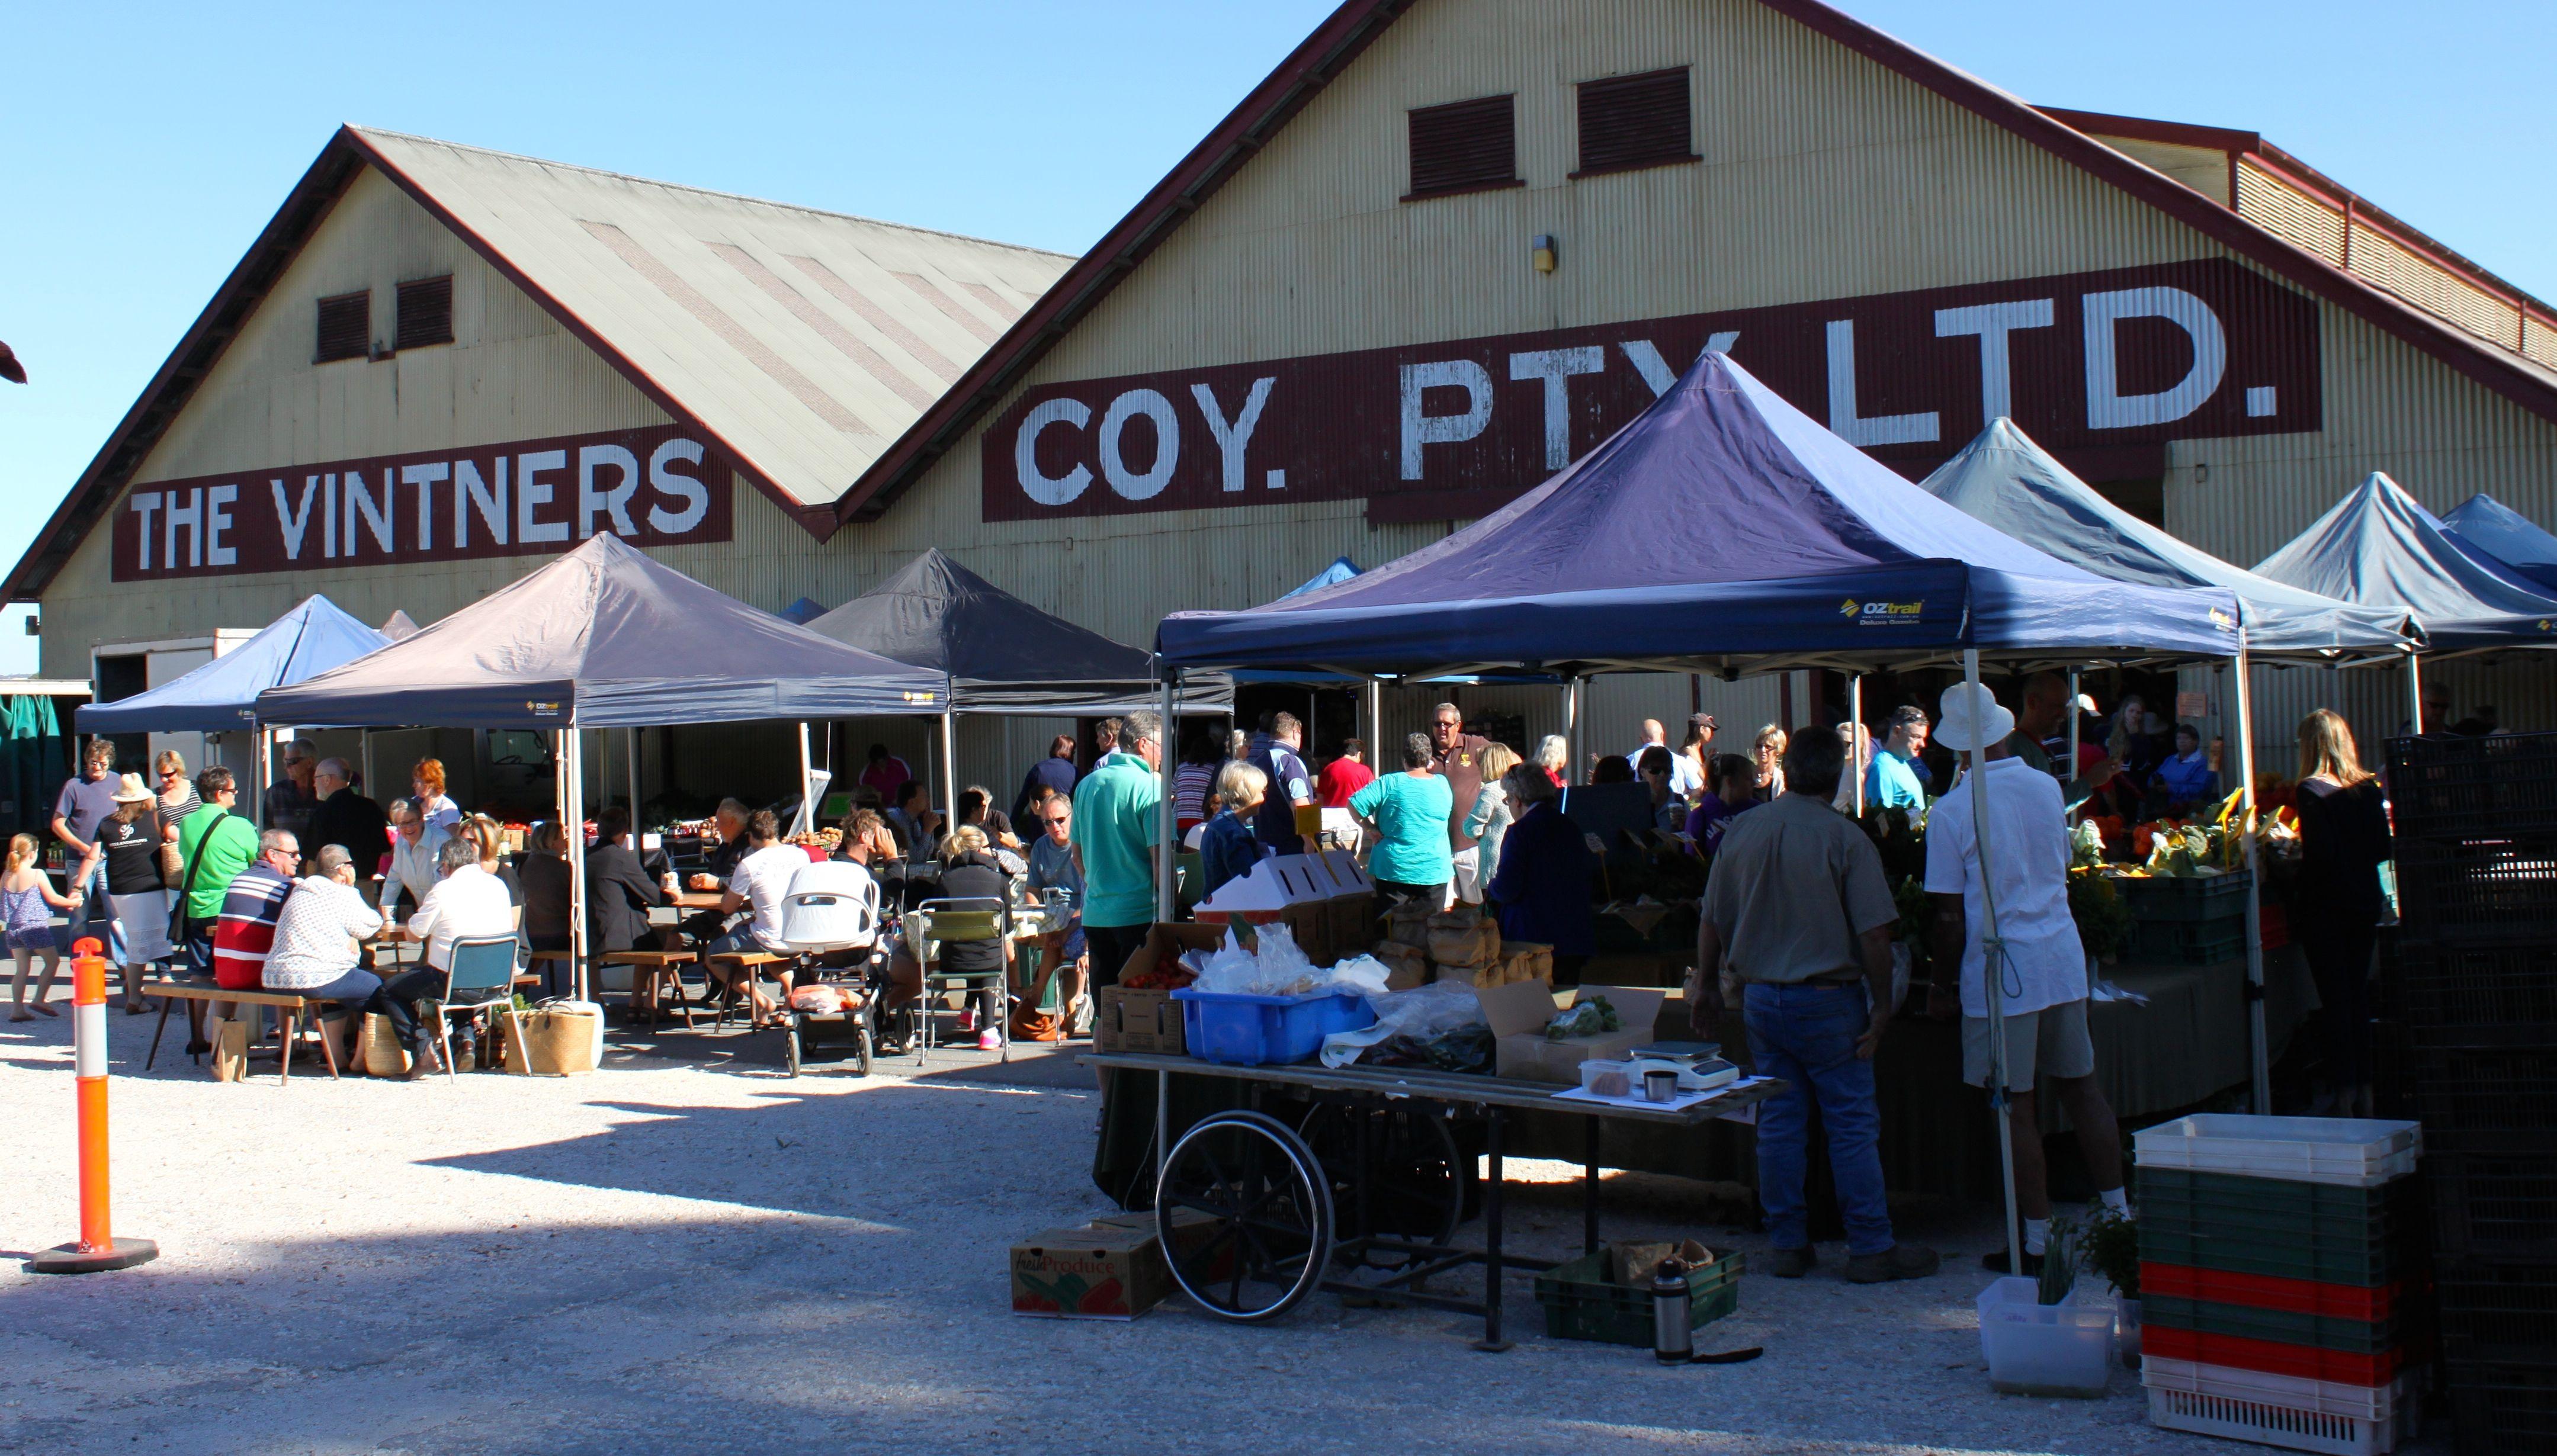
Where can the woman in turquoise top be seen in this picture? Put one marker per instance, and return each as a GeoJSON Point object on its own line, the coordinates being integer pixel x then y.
{"type": "Point", "coordinates": [1412, 859]}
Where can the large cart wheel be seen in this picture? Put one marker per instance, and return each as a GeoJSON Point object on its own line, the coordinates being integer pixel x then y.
{"type": "Point", "coordinates": [1413, 1175]}
{"type": "Point", "coordinates": [1269, 1208]}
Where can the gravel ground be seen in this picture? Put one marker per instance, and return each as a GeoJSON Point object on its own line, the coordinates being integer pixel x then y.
{"type": "Point", "coordinates": [687, 1251]}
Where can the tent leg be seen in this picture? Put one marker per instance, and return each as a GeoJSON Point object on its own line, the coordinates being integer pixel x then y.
{"type": "Point", "coordinates": [1165, 842]}
{"type": "Point", "coordinates": [1375, 721]}
{"type": "Point", "coordinates": [1993, 975]}
{"type": "Point", "coordinates": [2414, 694]}
{"type": "Point", "coordinates": [262, 743]}
{"type": "Point", "coordinates": [1855, 731]}
{"type": "Point", "coordinates": [572, 765]}
{"type": "Point", "coordinates": [807, 811]}
{"type": "Point", "coordinates": [949, 771]}
{"type": "Point", "coordinates": [2258, 1045]}
{"type": "Point", "coordinates": [631, 747]}
{"type": "Point", "coordinates": [366, 736]}
{"type": "Point", "coordinates": [1570, 731]}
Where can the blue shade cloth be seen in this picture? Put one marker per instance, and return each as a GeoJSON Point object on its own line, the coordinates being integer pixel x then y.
{"type": "Point", "coordinates": [997, 653]}
{"type": "Point", "coordinates": [605, 638]}
{"type": "Point", "coordinates": [2378, 548]}
{"type": "Point", "coordinates": [1341, 570]}
{"type": "Point", "coordinates": [221, 696]}
{"type": "Point", "coordinates": [2003, 479]}
{"type": "Point", "coordinates": [1719, 525]}
{"type": "Point", "coordinates": [2484, 524]}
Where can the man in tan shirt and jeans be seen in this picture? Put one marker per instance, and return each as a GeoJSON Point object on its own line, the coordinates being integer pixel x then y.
{"type": "Point", "coordinates": [1798, 907]}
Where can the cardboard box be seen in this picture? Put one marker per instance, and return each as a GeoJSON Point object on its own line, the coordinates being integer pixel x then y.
{"type": "Point", "coordinates": [1518, 1012]}
{"type": "Point", "coordinates": [1165, 943]}
{"type": "Point", "coordinates": [1353, 918]}
{"type": "Point", "coordinates": [1148, 1022]}
{"type": "Point", "coordinates": [1100, 1273]}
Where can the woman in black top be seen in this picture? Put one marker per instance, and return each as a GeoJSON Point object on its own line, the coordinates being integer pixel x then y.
{"type": "Point", "coordinates": [543, 872]}
{"type": "Point", "coordinates": [2336, 903]}
{"type": "Point", "coordinates": [968, 871]}
{"type": "Point", "coordinates": [131, 838]}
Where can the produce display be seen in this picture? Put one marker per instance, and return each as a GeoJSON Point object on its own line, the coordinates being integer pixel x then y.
{"type": "Point", "coordinates": [1592, 1017]}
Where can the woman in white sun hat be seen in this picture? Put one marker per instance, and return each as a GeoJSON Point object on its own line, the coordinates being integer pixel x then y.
{"type": "Point", "coordinates": [2043, 972]}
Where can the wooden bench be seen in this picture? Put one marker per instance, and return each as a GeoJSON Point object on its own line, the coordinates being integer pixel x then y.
{"type": "Point", "coordinates": [650, 968]}
{"type": "Point", "coordinates": [753, 964]}
{"type": "Point", "coordinates": [290, 1007]}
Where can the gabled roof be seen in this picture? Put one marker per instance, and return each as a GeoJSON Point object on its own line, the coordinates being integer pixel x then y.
{"type": "Point", "coordinates": [1337, 42]}
{"type": "Point", "coordinates": [801, 342]}
{"type": "Point", "coordinates": [2378, 548]}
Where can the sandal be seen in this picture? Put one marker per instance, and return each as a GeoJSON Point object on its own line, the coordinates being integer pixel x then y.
{"type": "Point", "coordinates": [44, 1009]}
{"type": "Point", "coordinates": [22, 1015]}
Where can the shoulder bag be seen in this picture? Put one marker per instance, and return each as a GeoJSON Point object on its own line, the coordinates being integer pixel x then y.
{"type": "Point", "coordinates": [187, 881]}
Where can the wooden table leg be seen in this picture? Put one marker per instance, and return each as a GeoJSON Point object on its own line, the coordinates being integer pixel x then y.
{"type": "Point", "coordinates": [328, 1048]}
{"type": "Point", "coordinates": [166, 1001]}
{"type": "Point", "coordinates": [288, 1029]}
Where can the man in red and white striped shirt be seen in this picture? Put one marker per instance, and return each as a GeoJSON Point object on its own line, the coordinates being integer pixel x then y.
{"type": "Point", "coordinates": [247, 930]}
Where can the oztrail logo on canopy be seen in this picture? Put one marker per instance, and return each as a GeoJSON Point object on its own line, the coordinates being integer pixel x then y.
{"type": "Point", "coordinates": [1882, 613]}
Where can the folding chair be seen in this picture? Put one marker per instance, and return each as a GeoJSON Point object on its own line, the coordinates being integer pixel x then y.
{"type": "Point", "coordinates": [961, 920]}
{"type": "Point", "coordinates": [480, 977]}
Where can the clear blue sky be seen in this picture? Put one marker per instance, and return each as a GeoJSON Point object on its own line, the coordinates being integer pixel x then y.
{"type": "Point", "coordinates": [148, 143]}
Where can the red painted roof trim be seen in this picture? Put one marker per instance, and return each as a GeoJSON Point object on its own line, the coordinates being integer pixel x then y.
{"type": "Point", "coordinates": [1348, 31]}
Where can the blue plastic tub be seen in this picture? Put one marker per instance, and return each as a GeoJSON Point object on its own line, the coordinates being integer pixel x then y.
{"type": "Point", "coordinates": [1264, 1030]}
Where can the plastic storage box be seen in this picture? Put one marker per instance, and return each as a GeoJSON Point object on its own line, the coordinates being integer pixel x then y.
{"type": "Point", "coordinates": [1582, 1303]}
{"type": "Point", "coordinates": [2359, 1152]}
{"type": "Point", "coordinates": [1263, 1030]}
{"type": "Point", "coordinates": [2037, 1349]}
{"type": "Point", "coordinates": [2264, 1291]}
{"type": "Point", "coordinates": [2278, 1410]}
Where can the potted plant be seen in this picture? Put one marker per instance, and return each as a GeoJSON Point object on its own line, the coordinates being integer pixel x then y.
{"type": "Point", "coordinates": [2111, 1246]}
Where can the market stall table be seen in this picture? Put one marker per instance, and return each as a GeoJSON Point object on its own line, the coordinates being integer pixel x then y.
{"type": "Point", "coordinates": [1371, 1089]}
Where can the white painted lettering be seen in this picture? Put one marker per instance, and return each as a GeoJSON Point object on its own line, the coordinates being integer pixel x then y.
{"type": "Point", "coordinates": [530, 491]}
{"type": "Point", "coordinates": [1556, 366]}
{"type": "Point", "coordinates": [192, 517]}
{"type": "Point", "coordinates": [1044, 488]}
{"type": "Point", "coordinates": [146, 503]}
{"type": "Point", "coordinates": [2110, 409]}
{"type": "Point", "coordinates": [1167, 443]}
{"type": "Point", "coordinates": [217, 519]}
{"type": "Point", "coordinates": [471, 494]}
{"type": "Point", "coordinates": [675, 486]}
{"type": "Point", "coordinates": [296, 522]}
{"type": "Point", "coordinates": [374, 515]}
{"type": "Point", "coordinates": [1993, 322]}
{"type": "Point", "coordinates": [1234, 439]}
{"type": "Point", "coordinates": [329, 516]}
{"type": "Point", "coordinates": [424, 478]}
{"type": "Point", "coordinates": [1844, 419]}
{"type": "Point", "coordinates": [592, 459]}
{"type": "Point", "coordinates": [1422, 427]}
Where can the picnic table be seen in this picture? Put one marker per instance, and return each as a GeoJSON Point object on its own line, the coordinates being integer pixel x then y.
{"type": "Point", "coordinates": [1379, 1135]}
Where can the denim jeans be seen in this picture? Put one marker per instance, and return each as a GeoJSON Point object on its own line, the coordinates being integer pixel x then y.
{"type": "Point", "coordinates": [1806, 1034]}
{"type": "Point", "coordinates": [95, 910]}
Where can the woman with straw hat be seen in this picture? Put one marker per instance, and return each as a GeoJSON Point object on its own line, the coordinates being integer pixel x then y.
{"type": "Point", "coordinates": [131, 838]}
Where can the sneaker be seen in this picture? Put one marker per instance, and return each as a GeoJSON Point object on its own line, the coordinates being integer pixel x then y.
{"type": "Point", "coordinates": [1792, 1263]}
{"type": "Point", "coordinates": [967, 1020]}
{"type": "Point", "coordinates": [990, 1040]}
{"type": "Point", "coordinates": [1898, 1261]}
{"type": "Point", "coordinates": [1995, 1262]}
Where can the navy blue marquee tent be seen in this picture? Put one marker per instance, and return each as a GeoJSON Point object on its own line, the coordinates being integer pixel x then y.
{"type": "Point", "coordinates": [2378, 548]}
{"type": "Point", "coordinates": [1721, 531]}
{"type": "Point", "coordinates": [605, 638]}
{"type": "Point", "coordinates": [221, 696]}
{"type": "Point", "coordinates": [2004, 479]}
{"type": "Point", "coordinates": [2484, 524]}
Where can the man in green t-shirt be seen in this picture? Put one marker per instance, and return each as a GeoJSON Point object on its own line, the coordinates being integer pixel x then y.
{"type": "Point", "coordinates": [229, 844]}
{"type": "Point", "coordinates": [1117, 807]}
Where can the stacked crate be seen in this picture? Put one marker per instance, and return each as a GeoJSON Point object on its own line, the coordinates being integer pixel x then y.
{"type": "Point", "coordinates": [2279, 1258]}
{"type": "Point", "coordinates": [2474, 987]}
{"type": "Point", "coordinates": [2187, 919]}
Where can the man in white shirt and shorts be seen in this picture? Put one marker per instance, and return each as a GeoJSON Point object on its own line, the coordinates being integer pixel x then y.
{"type": "Point", "coordinates": [758, 885]}
{"type": "Point", "coordinates": [2044, 978]}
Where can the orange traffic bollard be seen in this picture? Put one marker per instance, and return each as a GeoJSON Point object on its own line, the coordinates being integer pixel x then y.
{"type": "Point", "coordinates": [99, 1248]}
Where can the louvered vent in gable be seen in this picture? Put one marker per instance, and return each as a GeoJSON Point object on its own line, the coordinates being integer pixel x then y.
{"type": "Point", "coordinates": [346, 326]}
{"type": "Point", "coordinates": [1628, 121]}
{"type": "Point", "coordinates": [425, 312]}
{"type": "Point", "coordinates": [1464, 147]}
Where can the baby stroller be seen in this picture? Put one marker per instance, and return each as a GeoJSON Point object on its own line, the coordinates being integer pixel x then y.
{"type": "Point", "coordinates": [833, 907]}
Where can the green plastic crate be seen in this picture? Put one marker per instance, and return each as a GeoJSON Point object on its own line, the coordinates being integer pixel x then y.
{"type": "Point", "coordinates": [2185, 896]}
{"type": "Point", "coordinates": [2288, 1205]}
{"type": "Point", "coordinates": [2287, 1326]}
{"type": "Point", "coordinates": [2381, 1264]}
{"type": "Point", "coordinates": [1582, 1303]}
{"type": "Point", "coordinates": [2291, 1229]}
{"type": "Point", "coordinates": [2190, 942]}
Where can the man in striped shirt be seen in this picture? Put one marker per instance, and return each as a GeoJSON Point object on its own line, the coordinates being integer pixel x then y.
{"type": "Point", "coordinates": [247, 930]}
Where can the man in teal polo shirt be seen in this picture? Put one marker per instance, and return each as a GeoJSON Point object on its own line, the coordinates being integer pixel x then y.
{"type": "Point", "coordinates": [1893, 780]}
{"type": "Point", "coordinates": [1116, 809]}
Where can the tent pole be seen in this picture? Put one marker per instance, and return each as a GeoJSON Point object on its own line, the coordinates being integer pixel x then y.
{"type": "Point", "coordinates": [1993, 973]}
{"type": "Point", "coordinates": [1855, 731]}
{"type": "Point", "coordinates": [2258, 1046]}
{"type": "Point", "coordinates": [573, 842]}
{"type": "Point", "coordinates": [258, 771]}
{"type": "Point", "coordinates": [949, 771]}
{"type": "Point", "coordinates": [807, 810]}
{"type": "Point", "coordinates": [1375, 720]}
{"type": "Point", "coordinates": [1167, 901]}
{"type": "Point", "coordinates": [366, 736]}
{"type": "Point", "coordinates": [2414, 692]}
{"type": "Point", "coordinates": [631, 747]}
{"type": "Point", "coordinates": [2070, 774]}
{"type": "Point", "coordinates": [1571, 729]}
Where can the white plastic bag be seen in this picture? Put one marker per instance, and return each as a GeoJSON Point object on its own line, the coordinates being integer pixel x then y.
{"type": "Point", "coordinates": [1364, 974]}
{"type": "Point", "coordinates": [1231, 971]}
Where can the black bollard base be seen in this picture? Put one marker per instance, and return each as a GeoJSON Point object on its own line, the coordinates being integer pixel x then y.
{"type": "Point", "coordinates": [71, 1258]}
